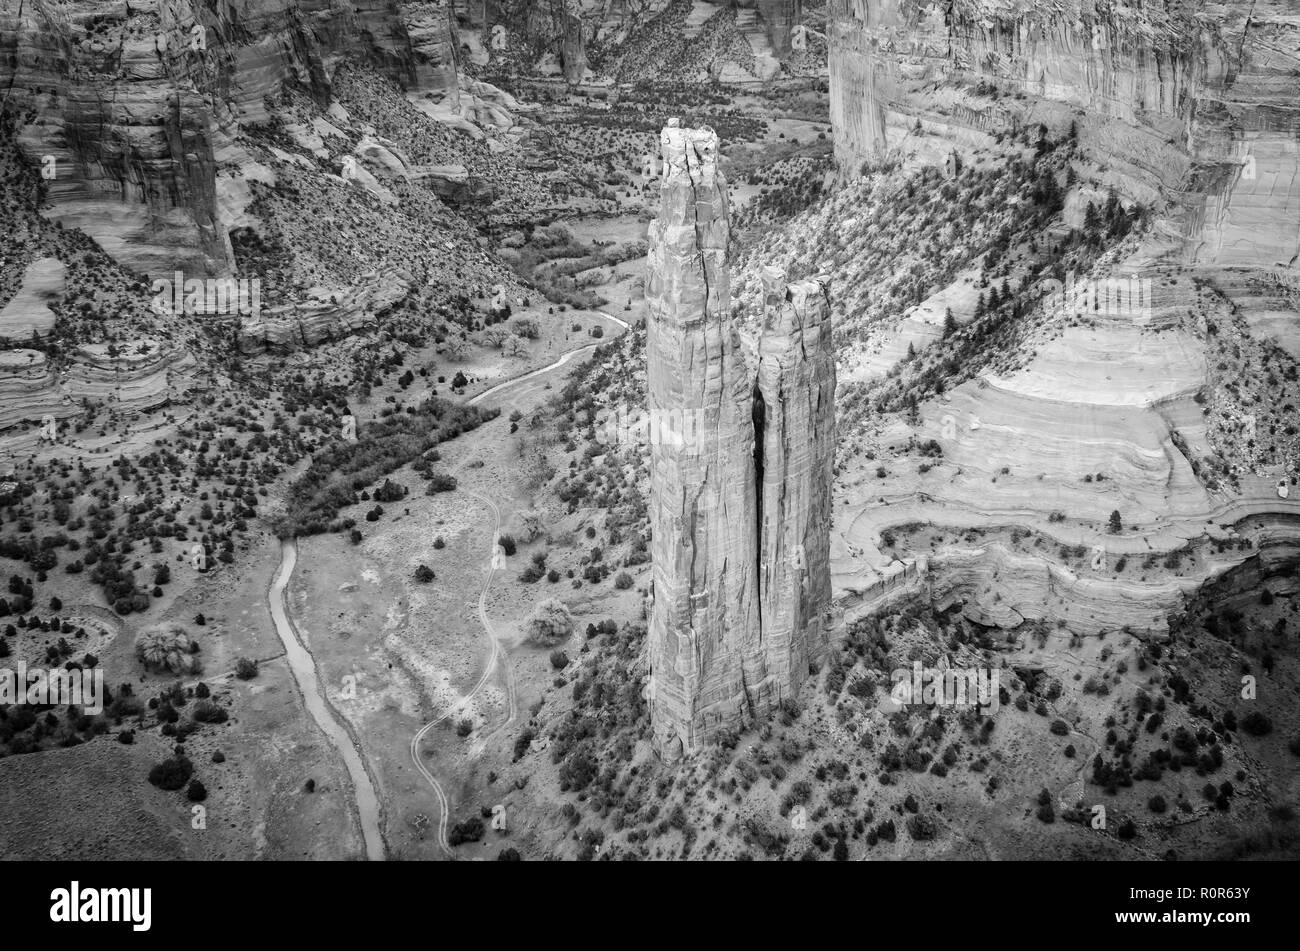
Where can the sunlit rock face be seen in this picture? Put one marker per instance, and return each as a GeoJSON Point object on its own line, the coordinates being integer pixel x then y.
{"type": "Point", "coordinates": [135, 108]}
{"type": "Point", "coordinates": [740, 472]}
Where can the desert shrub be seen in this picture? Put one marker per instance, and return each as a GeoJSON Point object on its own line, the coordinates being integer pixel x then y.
{"type": "Point", "coordinates": [1256, 724]}
{"type": "Point", "coordinates": [390, 491]}
{"type": "Point", "coordinates": [470, 830]}
{"type": "Point", "coordinates": [208, 711]}
{"type": "Point", "coordinates": [522, 742]}
{"type": "Point", "coordinates": [922, 828]}
{"type": "Point", "coordinates": [441, 482]}
{"type": "Point", "coordinates": [171, 774]}
{"type": "Point", "coordinates": [550, 623]}
{"type": "Point", "coordinates": [578, 770]}
{"type": "Point", "coordinates": [167, 648]}
{"type": "Point", "coordinates": [245, 668]}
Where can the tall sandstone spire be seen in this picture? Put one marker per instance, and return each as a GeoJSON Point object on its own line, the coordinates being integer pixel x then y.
{"type": "Point", "coordinates": [740, 469]}
{"type": "Point", "coordinates": [794, 413]}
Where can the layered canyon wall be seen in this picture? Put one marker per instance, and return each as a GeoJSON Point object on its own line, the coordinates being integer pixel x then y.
{"type": "Point", "coordinates": [741, 461]}
{"type": "Point", "coordinates": [1194, 105]}
{"type": "Point", "coordinates": [1191, 110]}
{"type": "Point", "coordinates": [134, 108]}
{"type": "Point", "coordinates": [566, 29]}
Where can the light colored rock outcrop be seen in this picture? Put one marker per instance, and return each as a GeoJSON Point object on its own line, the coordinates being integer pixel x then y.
{"type": "Point", "coordinates": [28, 310]}
{"type": "Point", "coordinates": [29, 389]}
{"type": "Point", "coordinates": [326, 315]}
{"type": "Point", "coordinates": [141, 376]}
{"type": "Point", "coordinates": [739, 514]}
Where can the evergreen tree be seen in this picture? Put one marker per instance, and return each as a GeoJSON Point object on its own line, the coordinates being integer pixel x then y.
{"type": "Point", "coordinates": [949, 323]}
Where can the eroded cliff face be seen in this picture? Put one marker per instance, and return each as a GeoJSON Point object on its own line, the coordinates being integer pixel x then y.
{"type": "Point", "coordinates": [1194, 104]}
{"type": "Point", "coordinates": [740, 469]}
{"type": "Point", "coordinates": [566, 29]}
{"type": "Point", "coordinates": [779, 17]}
{"type": "Point", "coordinates": [135, 108]}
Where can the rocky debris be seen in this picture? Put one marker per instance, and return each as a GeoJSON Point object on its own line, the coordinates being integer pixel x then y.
{"type": "Point", "coordinates": [740, 469]}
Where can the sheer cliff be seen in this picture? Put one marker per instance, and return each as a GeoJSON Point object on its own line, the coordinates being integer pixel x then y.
{"type": "Point", "coordinates": [134, 107]}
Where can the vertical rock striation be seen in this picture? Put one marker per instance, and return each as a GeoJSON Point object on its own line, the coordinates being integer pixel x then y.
{"type": "Point", "coordinates": [795, 399]}
{"type": "Point", "coordinates": [704, 626]}
{"type": "Point", "coordinates": [780, 17]}
{"type": "Point", "coordinates": [740, 469]}
{"type": "Point", "coordinates": [573, 48]}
